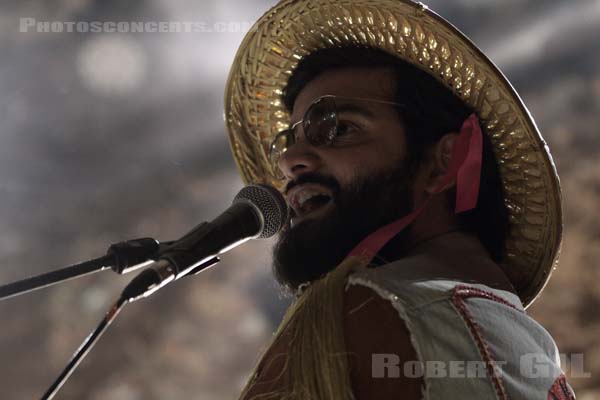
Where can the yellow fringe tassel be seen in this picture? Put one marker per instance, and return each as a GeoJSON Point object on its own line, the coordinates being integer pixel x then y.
{"type": "Point", "coordinates": [316, 367]}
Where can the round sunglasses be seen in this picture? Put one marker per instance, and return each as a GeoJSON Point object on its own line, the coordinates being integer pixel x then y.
{"type": "Point", "coordinates": [320, 124]}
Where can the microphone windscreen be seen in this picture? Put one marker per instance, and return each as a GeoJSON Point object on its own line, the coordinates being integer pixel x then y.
{"type": "Point", "coordinates": [269, 203]}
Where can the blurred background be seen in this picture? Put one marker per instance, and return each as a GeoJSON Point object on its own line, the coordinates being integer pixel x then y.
{"type": "Point", "coordinates": [112, 136]}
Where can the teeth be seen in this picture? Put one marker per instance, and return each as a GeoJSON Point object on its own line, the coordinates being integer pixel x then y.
{"type": "Point", "coordinates": [308, 194]}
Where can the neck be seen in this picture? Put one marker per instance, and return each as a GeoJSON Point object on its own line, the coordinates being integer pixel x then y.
{"type": "Point", "coordinates": [403, 243]}
{"type": "Point", "coordinates": [454, 254]}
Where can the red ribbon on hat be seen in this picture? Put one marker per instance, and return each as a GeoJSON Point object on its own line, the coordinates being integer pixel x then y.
{"type": "Point", "coordinates": [464, 166]}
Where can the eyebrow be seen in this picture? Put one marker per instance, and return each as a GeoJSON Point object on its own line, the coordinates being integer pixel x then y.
{"type": "Point", "coordinates": [346, 107]}
{"type": "Point", "coordinates": [353, 108]}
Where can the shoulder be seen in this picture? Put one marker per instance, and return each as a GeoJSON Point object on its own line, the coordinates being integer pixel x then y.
{"type": "Point", "coordinates": [378, 344]}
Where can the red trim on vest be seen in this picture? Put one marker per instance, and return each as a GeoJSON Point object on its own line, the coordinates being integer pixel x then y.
{"type": "Point", "coordinates": [468, 291]}
{"type": "Point", "coordinates": [459, 294]}
{"type": "Point", "coordinates": [560, 390]}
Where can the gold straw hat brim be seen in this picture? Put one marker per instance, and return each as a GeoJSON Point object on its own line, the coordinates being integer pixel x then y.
{"type": "Point", "coordinates": [254, 112]}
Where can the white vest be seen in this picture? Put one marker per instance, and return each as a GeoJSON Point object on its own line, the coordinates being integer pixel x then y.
{"type": "Point", "coordinates": [472, 341]}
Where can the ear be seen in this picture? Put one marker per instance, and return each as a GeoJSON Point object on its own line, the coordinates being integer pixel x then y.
{"type": "Point", "coordinates": [441, 153]}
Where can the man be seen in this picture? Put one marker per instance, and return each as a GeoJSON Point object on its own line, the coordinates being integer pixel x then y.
{"type": "Point", "coordinates": [410, 271]}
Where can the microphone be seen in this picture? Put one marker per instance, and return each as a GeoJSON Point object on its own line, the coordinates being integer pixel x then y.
{"type": "Point", "coordinates": [257, 212]}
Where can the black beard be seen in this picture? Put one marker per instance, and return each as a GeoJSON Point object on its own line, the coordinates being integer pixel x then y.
{"type": "Point", "coordinates": [313, 247]}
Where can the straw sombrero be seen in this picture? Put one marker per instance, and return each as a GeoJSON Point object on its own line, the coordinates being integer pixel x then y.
{"type": "Point", "coordinates": [272, 49]}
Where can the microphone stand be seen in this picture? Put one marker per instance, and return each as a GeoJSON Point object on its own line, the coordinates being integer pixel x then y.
{"type": "Point", "coordinates": [121, 257]}
{"type": "Point", "coordinates": [85, 347]}
{"type": "Point", "coordinates": [142, 285]}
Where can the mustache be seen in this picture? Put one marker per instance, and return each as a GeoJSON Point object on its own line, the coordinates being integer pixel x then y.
{"type": "Point", "coordinates": [314, 177]}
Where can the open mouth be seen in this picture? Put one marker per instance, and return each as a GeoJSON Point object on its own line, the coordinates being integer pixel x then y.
{"type": "Point", "coordinates": [313, 203]}
{"type": "Point", "coordinates": [309, 200]}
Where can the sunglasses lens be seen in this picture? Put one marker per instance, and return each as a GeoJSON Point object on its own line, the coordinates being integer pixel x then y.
{"type": "Point", "coordinates": [320, 122]}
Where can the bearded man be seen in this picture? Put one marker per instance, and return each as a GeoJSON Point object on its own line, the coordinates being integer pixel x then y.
{"type": "Point", "coordinates": [425, 208]}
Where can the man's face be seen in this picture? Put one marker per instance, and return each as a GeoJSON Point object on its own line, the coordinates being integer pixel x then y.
{"type": "Point", "coordinates": [361, 179]}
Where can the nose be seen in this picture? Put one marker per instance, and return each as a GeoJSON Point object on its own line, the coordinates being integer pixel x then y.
{"type": "Point", "coordinates": [300, 158]}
